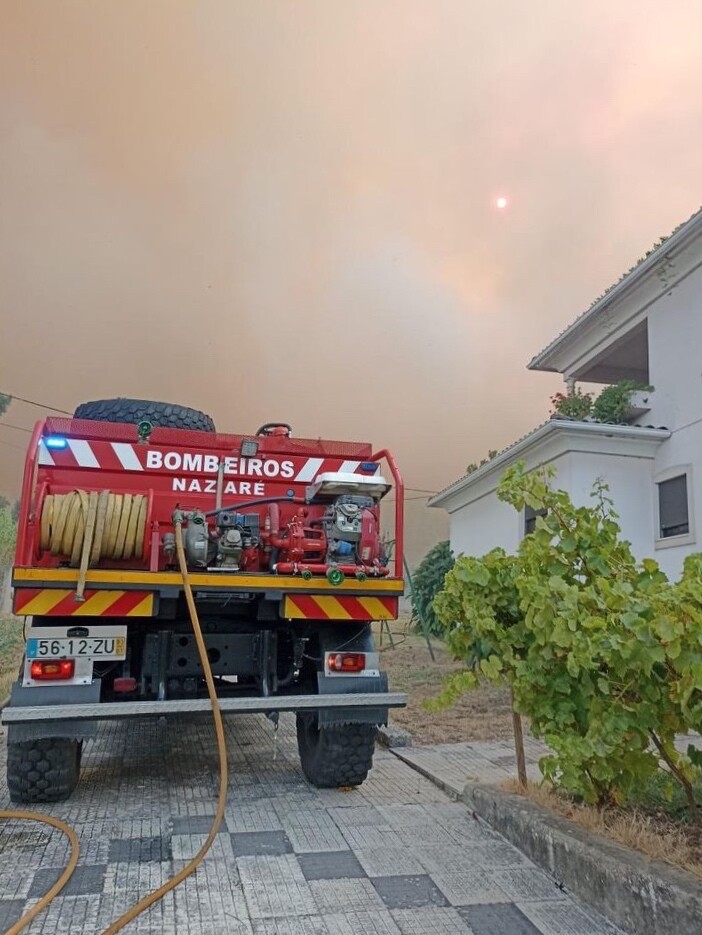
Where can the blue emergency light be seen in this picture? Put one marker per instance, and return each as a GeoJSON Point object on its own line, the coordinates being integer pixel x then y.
{"type": "Point", "coordinates": [56, 442]}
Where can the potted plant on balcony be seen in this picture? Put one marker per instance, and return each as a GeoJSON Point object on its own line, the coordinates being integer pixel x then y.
{"type": "Point", "coordinates": [622, 402]}
{"type": "Point", "coordinates": [576, 405]}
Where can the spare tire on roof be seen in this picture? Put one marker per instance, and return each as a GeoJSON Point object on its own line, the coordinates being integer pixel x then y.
{"type": "Point", "coordinates": [133, 411]}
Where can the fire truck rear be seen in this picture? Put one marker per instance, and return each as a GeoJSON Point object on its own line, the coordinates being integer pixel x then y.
{"type": "Point", "coordinates": [284, 555]}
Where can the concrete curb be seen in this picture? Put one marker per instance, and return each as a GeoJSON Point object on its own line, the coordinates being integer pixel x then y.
{"type": "Point", "coordinates": [640, 895]}
{"type": "Point", "coordinates": [394, 736]}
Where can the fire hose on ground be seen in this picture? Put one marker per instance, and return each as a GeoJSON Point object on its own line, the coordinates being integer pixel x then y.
{"type": "Point", "coordinates": [89, 523]}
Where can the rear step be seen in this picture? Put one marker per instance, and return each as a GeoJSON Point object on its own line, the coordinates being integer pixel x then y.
{"type": "Point", "coordinates": [118, 709]}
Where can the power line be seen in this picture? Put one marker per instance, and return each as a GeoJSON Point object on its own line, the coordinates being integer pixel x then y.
{"type": "Point", "coordinates": [33, 402]}
{"type": "Point", "coordinates": [19, 428]}
{"type": "Point", "coordinates": [8, 445]}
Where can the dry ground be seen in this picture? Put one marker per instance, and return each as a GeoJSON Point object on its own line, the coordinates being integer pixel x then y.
{"type": "Point", "coordinates": [644, 827]}
{"type": "Point", "coordinates": [10, 651]}
{"type": "Point", "coordinates": [483, 714]}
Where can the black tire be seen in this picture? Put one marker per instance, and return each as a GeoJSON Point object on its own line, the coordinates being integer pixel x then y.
{"type": "Point", "coordinates": [44, 770]}
{"type": "Point", "coordinates": [335, 756]}
{"type": "Point", "coordinates": [133, 411]}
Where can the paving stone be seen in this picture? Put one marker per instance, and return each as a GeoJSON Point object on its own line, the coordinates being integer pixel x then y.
{"type": "Point", "coordinates": [330, 865]}
{"type": "Point", "coordinates": [66, 915]}
{"type": "Point", "coordinates": [192, 824]}
{"type": "Point", "coordinates": [136, 878]}
{"type": "Point", "coordinates": [432, 920]}
{"type": "Point", "coordinates": [85, 879]}
{"type": "Point", "coordinates": [367, 836]}
{"type": "Point", "coordinates": [139, 849]}
{"type": "Point", "coordinates": [302, 925]}
{"type": "Point", "coordinates": [354, 895]}
{"type": "Point", "coordinates": [10, 912]}
{"type": "Point", "coordinates": [257, 816]}
{"type": "Point", "coordinates": [497, 919]}
{"type": "Point", "coordinates": [313, 831]}
{"type": "Point", "coordinates": [275, 886]}
{"type": "Point", "coordinates": [378, 861]}
{"type": "Point", "coordinates": [566, 918]}
{"type": "Point", "coordinates": [408, 892]}
{"type": "Point", "coordinates": [186, 846]}
{"type": "Point", "coordinates": [211, 900]}
{"type": "Point", "coordinates": [377, 922]}
{"type": "Point", "coordinates": [251, 843]}
{"type": "Point", "coordinates": [527, 883]}
{"type": "Point", "coordinates": [468, 887]}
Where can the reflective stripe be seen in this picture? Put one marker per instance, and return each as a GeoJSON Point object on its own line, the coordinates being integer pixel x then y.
{"type": "Point", "coordinates": [332, 607]}
{"type": "Point", "coordinates": [377, 609]}
{"type": "Point", "coordinates": [44, 454]}
{"type": "Point", "coordinates": [83, 453]}
{"type": "Point", "coordinates": [348, 467]}
{"type": "Point", "coordinates": [310, 470]}
{"type": "Point", "coordinates": [127, 456]}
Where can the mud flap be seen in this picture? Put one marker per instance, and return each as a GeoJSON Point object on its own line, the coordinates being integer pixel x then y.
{"type": "Point", "coordinates": [49, 695]}
{"type": "Point", "coordinates": [348, 684]}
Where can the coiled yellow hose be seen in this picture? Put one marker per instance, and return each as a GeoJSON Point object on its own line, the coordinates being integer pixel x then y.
{"type": "Point", "coordinates": [91, 526]}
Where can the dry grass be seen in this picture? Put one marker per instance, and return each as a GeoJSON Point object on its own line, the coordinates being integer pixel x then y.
{"type": "Point", "coordinates": [653, 834]}
{"type": "Point", "coordinates": [483, 714]}
{"type": "Point", "coordinates": [11, 643]}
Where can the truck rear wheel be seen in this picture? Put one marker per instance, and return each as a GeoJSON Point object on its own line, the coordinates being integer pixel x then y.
{"type": "Point", "coordinates": [334, 756]}
{"type": "Point", "coordinates": [133, 411]}
{"type": "Point", "coordinates": [45, 770]}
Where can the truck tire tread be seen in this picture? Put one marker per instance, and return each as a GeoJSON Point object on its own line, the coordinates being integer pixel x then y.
{"type": "Point", "coordinates": [133, 411]}
{"type": "Point", "coordinates": [335, 756]}
{"type": "Point", "coordinates": [44, 770]}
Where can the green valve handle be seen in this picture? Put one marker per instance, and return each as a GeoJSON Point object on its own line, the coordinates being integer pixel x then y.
{"type": "Point", "coordinates": [307, 574]}
{"type": "Point", "coordinates": [335, 576]}
{"type": "Point", "coordinates": [144, 429]}
{"type": "Point", "coordinates": [361, 575]}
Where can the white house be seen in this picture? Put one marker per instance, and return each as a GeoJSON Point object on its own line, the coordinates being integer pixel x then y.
{"type": "Point", "coordinates": [647, 327]}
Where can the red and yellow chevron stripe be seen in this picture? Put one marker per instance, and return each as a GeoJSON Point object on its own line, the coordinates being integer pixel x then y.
{"type": "Point", "coordinates": [326, 607]}
{"type": "Point", "coordinates": [55, 602]}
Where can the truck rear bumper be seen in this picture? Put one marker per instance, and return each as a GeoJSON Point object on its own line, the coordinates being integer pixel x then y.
{"type": "Point", "coordinates": [121, 709]}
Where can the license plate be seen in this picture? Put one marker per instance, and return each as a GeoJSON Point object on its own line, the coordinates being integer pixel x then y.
{"type": "Point", "coordinates": [98, 643]}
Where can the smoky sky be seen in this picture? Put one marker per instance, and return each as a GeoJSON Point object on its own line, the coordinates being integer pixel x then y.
{"type": "Point", "coordinates": [285, 209]}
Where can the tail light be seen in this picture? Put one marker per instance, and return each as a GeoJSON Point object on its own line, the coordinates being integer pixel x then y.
{"type": "Point", "coordinates": [346, 662]}
{"type": "Point", "coordinates": [52, 670]}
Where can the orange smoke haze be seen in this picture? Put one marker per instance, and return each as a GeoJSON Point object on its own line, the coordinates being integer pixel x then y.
{"type": "Point", "coordinates": [286, 209]}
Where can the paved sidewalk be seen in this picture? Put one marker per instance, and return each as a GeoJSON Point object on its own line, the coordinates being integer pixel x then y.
{"type": "Point", "coordinates": [452, 765]}
{"type": "Point", "coordinates": [395, 857]}
{"type": "Point", "coordinates": [493, 762]}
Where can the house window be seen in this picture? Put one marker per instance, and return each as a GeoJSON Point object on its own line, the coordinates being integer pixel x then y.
{"type": "Point", "coordinates": [530, 516]}
{"type": "Point", "coordinates": [673, 510]}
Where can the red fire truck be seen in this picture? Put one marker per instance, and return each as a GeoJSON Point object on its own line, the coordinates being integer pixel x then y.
{"type": "Point", "coordinates": [285, 559]}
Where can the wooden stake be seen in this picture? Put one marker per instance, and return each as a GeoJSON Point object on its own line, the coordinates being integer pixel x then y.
{"type": "Point", "coordinates": [519, 746]}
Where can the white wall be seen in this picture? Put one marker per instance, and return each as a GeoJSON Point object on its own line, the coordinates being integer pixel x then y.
{"type": "Point", "coordinates": [675, 370]}
{"type": "Point", "coordinates": [485, 523]}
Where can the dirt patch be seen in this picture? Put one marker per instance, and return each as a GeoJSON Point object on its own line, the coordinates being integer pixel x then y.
{"type": "Point", "coordinates": [648, 830]}
{"type": "Point", "coordinates": [483, 714]}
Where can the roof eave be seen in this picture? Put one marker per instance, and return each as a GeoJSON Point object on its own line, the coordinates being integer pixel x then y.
{"type": "Point", "coordinates": [511, 454]}
{"type": "Point", "coordinates": [546, 360]}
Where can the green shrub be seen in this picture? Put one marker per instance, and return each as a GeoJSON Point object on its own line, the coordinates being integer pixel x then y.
{"type": "Point", "coordinates": [427, 581]}
{"type": "Point", "coordinates": [602, 653]}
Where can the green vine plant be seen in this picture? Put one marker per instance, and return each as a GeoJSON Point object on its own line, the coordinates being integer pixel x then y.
{"type": "Point", "coordinates": [602, 653]}
{"type": "Point", "coordinates": [614, 402]}
{"type": "Point", "coordinates": [612, 405]}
